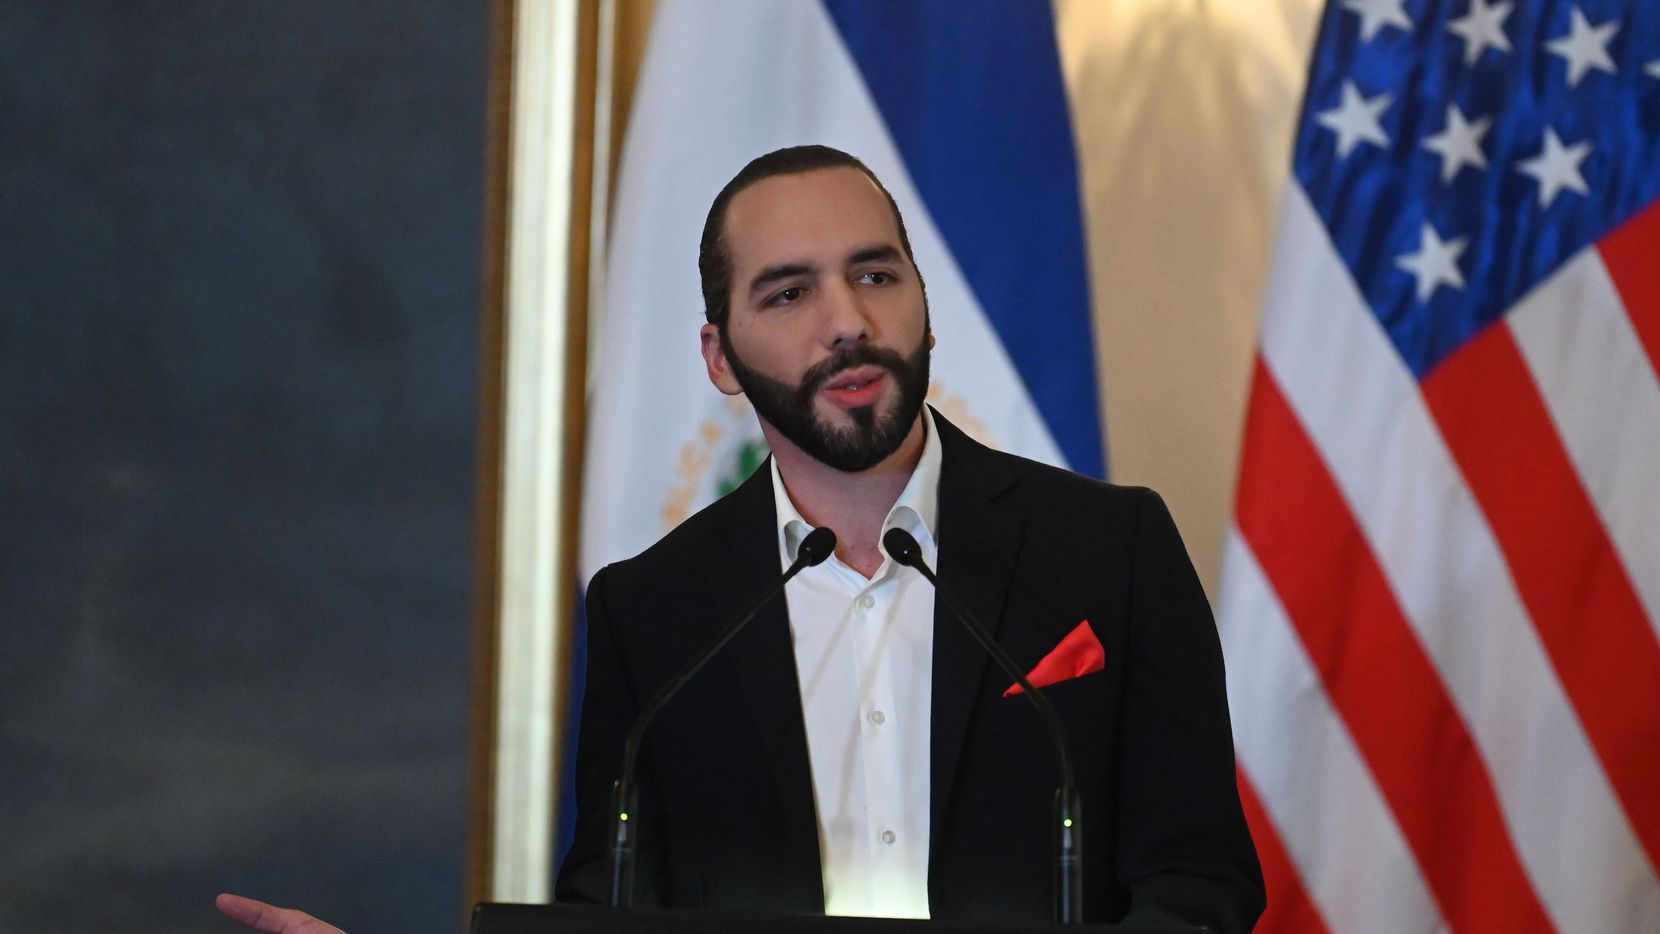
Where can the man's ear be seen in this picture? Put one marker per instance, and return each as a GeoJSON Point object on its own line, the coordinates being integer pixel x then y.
{"type": "Point", "coordinates": [715, 362]}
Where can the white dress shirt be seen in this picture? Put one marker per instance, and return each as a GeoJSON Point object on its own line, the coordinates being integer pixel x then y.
{"type": "Point", "coordinates": [864, 652]}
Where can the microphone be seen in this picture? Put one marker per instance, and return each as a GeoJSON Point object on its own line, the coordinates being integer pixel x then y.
{"type": "Point", "coordinates": [818, 545]}
{"type": "Point", "coordinates": [1068, 826]}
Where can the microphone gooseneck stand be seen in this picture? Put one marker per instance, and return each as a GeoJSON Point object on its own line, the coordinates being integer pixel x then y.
{"type": "Point", "coordinates": [817, 546]}
{"type": "Point", "coordinates": [1068, 827]}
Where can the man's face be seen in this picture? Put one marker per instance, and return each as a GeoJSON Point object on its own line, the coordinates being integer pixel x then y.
{"type": "Point", "coordinates": [828, 329]}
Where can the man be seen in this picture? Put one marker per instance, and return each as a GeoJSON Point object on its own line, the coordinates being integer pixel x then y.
{"type": "Point", "coordinates": [853, 750]}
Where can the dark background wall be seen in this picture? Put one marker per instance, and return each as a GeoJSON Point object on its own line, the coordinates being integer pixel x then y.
{"type": "Point", "coordinates": [239, 254]}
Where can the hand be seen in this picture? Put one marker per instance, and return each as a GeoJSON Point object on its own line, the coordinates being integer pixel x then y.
{"type": "Point", "coordinates": [270, 918]}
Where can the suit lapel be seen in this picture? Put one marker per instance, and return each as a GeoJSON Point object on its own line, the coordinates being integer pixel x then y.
{"type": "Point", "coordinates": [979, 540]}
{"type": "Point", "coordinates": [739, 565]}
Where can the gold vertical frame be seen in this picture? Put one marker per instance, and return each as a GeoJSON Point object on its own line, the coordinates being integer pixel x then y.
{"type": "Point", "coordinates": [539, 226]}
{"type": "Point", "coordinates": [478, 866]}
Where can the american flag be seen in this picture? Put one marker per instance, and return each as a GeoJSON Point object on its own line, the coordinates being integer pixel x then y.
{"type": "Point", "coordinates": [1441, 593]}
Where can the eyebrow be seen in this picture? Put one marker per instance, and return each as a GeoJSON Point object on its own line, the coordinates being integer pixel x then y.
{"type": "Point", "coordinates": [773, 274]}
{"type": "Point", "coordinates": [886, 253]}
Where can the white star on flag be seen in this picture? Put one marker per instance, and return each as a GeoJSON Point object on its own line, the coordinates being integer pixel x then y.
{"type": "Point", "coordinates": [1376, 14]}
{"type": "Point", "coordinates": [1435, 264]}
{"type": "Point", "coordinates": [1355, 120]}
{"type": "Point", "coordinates": [1584, 47]}
{"type": "Point", "coordinates": [1482, 28]}
{"type": "Point", "coordinates": [1459, 144]}
{"type": "Point", "coordinates": [1556, 167]}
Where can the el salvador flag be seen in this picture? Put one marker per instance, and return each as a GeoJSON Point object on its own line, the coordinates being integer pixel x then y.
{"type": "Point", "coordinates": [962, 112]}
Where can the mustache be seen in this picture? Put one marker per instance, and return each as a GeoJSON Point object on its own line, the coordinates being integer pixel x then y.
{"type": "Point", "coordinates": [858, 355]}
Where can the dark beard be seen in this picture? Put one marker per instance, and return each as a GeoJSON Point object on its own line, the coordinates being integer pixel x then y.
{"type": "Point", "coordinates": [871, 438]}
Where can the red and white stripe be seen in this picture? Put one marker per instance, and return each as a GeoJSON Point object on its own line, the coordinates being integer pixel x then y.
{"type": "Point", "coordinates": [1346, 855]}
{"type": "Point", "coordinates": [1438, 606]}
{"type": "Point", "coordinates": [1584, 352]}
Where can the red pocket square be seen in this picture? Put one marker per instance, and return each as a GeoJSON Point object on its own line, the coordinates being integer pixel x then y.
{"type": "Point", "coordinates": [1079, 654]}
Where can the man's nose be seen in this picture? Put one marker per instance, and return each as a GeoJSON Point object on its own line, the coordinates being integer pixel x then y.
{"type": "Point", "coordinates": [847, 320]}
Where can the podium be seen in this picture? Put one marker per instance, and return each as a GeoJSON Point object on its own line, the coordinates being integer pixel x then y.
{"type": "Point", "coordinates": [510, 918]}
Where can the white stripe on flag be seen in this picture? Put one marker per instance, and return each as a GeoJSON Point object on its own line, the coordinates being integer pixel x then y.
{"type": "Point", "coordinates": [1602, 394]}
{"type": "Point", "coordinates": [1362, 408]}
{"type": "Point", "coordinates": [1338, 831]}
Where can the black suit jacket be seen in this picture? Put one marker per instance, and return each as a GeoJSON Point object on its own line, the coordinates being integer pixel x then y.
{"type": "Point", "coordinates": [726, 814]}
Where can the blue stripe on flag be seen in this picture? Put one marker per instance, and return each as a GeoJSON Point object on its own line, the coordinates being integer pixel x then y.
{"type": "Point", "coordinates": [975, 102]}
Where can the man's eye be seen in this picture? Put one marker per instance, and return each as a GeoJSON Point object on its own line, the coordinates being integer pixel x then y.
{"type": "Point", "coordinates": [877, 278]}
{"type": "Point", "coordinates": [785, 296]}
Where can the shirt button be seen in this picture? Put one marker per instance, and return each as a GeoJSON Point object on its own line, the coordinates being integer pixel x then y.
{"type": "Point", "coordinates": [876, 717]}
{"type": "Point", "coordinates": [867, 601]}
{"type": "Point", "coordinates": [888, 837]}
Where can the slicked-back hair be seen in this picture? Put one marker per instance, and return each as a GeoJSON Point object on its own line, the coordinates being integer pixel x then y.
{"type": "Point", "coordinates": [714, 260]}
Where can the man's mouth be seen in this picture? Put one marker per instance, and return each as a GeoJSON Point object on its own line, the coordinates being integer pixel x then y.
{"type": "Point", "coordinates": [855, 388]}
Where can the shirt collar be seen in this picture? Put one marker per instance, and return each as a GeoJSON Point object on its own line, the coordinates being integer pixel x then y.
{"type": "Point", "coordinates": [916, 511]}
